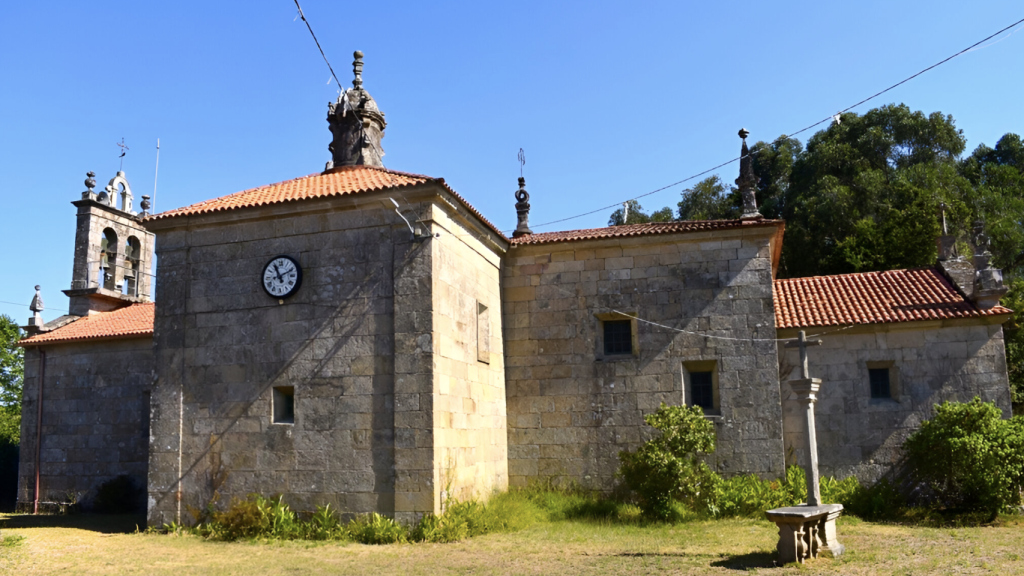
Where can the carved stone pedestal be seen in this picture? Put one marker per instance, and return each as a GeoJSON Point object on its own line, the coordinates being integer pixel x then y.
{"type": "Point", "coordinates": [807, 532]}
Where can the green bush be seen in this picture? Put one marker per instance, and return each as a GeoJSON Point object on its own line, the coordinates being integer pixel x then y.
{"type": "Point", "coordinates": [377, 529]}
{"type": "Point", "coordinates": [968, 458]}
{"type": "Point", "coordinates": [120, 495]}
{"type": "Point", "coordinates": [255, 517]}
{"type": "Point", "coordinates": [668, 467]}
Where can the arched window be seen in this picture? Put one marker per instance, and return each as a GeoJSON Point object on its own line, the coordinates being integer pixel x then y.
{"type": "Point", "coordinates": [132, 265]}
{"type": "Point", "coordinates": [108, 259]}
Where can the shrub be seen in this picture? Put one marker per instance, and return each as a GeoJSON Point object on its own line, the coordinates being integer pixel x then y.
{"type": "Point", "coordinates": [668, 467]}
{"type": "Point", "coordinates": [376, 529]}
{"type": "Point", "coordinates": [750, 495]}
{"type": "Point", "coordinates": [505, 512]}
{"type": "Point", "coordinates": [255, 517]}
{"type": "Point", "coordinates": [968, 458]}
{"type": "Point", "coordinates": [324, 525]}
{"type": "Point", "coordinates": [120, 495]}
{"type": "Point", "coordinates": [880, 501]}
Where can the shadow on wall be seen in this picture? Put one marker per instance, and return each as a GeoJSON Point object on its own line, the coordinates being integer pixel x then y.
{"type": "Point", "coordinates": [206, 474]}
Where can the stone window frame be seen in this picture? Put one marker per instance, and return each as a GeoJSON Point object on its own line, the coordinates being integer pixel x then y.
{"type": "Point", "coordinates": [702, 366]}
{"type": "Point", "coordinates": [894, 379]}
{"type": "Point", "coordinates": [603, 317]}
{"type": "Point", "coordinates": [282, 409]}
{"type": "Point", "coordinates": [483, 333]}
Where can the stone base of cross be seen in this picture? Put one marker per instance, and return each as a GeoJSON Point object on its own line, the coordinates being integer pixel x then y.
{"type": "Point", "coordinates": [807, 532]}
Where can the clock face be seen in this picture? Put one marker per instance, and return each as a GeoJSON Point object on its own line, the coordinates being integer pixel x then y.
{"type": "Point", "coordinates": [282, 277]}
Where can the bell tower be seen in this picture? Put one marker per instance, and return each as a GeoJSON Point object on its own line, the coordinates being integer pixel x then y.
{"type": "Point", "coordinates": [113, 251]}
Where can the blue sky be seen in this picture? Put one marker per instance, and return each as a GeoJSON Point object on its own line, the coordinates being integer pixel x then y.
{"type": "Point", "coordinates": [609, 99]}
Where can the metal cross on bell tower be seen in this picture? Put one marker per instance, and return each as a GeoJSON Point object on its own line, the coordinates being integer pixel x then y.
{"type": "Point", "coordinates": [124, 150]}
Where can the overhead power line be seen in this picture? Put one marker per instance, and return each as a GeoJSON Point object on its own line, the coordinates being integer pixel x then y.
{"type": "Point", "coordinates": [819, 122]}
{"type": "Point", "coordinates": [303, 16]}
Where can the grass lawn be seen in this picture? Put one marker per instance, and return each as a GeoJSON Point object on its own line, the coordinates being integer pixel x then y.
{"type": "Point", "coordinates": [87, 544]}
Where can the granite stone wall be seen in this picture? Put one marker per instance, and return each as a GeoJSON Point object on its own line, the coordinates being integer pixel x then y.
{"type": "Point", "coordinates": [571, 409]}
{"type": "Point", "coordinates": [928, 363]}
{"type": "Point", "coordinates": [356, 343]}
{"type": "Point", "coordinates": [95, 423]}
{"type": "Point", "coordinates": [471, 450]}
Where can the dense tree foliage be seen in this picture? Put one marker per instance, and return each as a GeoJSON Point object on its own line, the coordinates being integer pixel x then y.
{"type": "Point", "coordinates": [709, 199]}
{"type": "Point", "coordinates": [12, 370]}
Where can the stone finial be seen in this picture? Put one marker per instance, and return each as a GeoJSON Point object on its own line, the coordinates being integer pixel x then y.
{"type": "Point", "coordinates": [747, 181]}
{"type": "Point", "coordinates": [522, 210]}
{"type": "Point", "coordinates": [36, 307]}
{"type": "Point", "coordinates": [357, 69]}
{"type": "Point", "coordinates": [145, 205]}
{"type": "Point", "coordinates": [356, 124]}
{"type": "Point", "coordinates": [90, 184]}
{"type": "Point", "coordinates": [988, 281]}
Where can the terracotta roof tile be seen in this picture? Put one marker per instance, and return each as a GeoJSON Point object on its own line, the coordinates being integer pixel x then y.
{"type": "Point", "coordinates": [134, 320]}
{"type": "Point", "coordinates": [640, 230]}
{"type": "Point", "coordinates": [871, 298]}
{"type": "Point", "coordinates": [340, 181]}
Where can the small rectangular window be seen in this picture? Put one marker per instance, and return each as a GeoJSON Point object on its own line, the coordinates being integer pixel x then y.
{"type": "Point", "coordinates": [483, 334]}
{"type": "Point", "coordinates": [618, 337]}
{"type": "Point", "coordinates": [879, 378]}
{"type": "Point", "coordinates": [700, 385]}
{"type": "Point", "coordinates": [284, 405]}
{"type": "Point", "coordinates": [702, 389]}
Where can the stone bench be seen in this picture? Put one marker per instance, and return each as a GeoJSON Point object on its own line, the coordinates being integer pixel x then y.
{"type": "Point", "coordinates": [807, 531]}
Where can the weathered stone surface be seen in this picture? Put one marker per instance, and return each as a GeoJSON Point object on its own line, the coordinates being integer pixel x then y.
{"type": "Point", "coordinates": [393, 404]}
{"type": "Point", "coordinates": [95, 424]}
{"type": "Point", "coordinates": [929, 363]}
{"type": "Point", "coordinates": [567, 401]}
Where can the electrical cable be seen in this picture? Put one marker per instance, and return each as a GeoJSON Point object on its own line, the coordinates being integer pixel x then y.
{"type": "Point", "coordinates": [303, 16]}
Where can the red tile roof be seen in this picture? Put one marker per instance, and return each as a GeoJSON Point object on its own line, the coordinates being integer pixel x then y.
{"type": "Point", "coordinates": [871, 298]}
{"type": "Point", "coordinates": [339, 181]}
{"type": "Point", "coordinates": [131, 321]}
{"type": "Point", "coordinates": [640, 230]}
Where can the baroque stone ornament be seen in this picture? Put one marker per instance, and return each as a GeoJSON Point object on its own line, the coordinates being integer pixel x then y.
{"type": "Point", "coordinates": [356, 124]}
{"type": "Point", "coordinates": [145, 205]}
{"type": "Point", "coordinates": [90, 184]}
{"type": "Point", "coordinates": [522, 210]}
{"type": "Point", "coordinates": [747, 180]}
{"type": "Point", "coordinates": [988, 281]}
{"type": "Point", "coordinates": [36, 307]}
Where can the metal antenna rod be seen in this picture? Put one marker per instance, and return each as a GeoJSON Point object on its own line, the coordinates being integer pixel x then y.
{"type": "Point", "coordinates": [156, 173]}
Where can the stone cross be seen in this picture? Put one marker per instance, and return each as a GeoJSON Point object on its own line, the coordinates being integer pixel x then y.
{"type": "Point", "coordinates": [806, 389]}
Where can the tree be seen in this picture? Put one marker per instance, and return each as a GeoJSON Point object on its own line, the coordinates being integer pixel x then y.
{"type": "Point", "coordinates": [12, 372]}
{"type": "Point", "coordinates": [709, 199]}
{"type": "Point", "coordinates": [864, 194]}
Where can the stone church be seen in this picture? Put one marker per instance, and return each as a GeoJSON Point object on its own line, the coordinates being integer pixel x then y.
{"type": "Point", "coordinates": [364, 337]}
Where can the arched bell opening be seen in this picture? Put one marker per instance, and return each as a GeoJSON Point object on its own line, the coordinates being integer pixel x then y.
{"type": "Point", "coordinates": [132, 266]}
{"type": "Point", "coordinates": [108, 260]}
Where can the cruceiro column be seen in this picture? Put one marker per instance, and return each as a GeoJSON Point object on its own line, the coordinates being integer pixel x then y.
{"type": "Point", "coordinates": [807, 530]}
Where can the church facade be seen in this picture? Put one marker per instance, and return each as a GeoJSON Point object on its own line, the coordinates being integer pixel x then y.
{"type": "Point", "coordinates": [364, 337]}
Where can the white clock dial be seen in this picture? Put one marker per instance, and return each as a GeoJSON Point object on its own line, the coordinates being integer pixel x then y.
{"type": "Point", "coordinates": [282, 276]}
